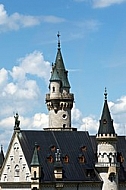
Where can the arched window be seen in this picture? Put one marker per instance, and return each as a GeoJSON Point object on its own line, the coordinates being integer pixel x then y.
{"type": "Point", "coordinates": [34, 174]}
{"type": "Point", "coordinates": [66, 158]}
{"type": "Point", "coordinates": [64, 126]}
{"type": "Point", "coordinates": [53, 89]}
{"type": "Point", "coordinates": [17, 171]}
{"type": "Point", "coordinates": [16, 147]}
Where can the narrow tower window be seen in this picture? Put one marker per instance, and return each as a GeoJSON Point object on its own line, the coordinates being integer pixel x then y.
{"type": "Point", "coordinates": [53, 89]}
{"type": "Point", "coordinates": [64, 125]}
{"type": "Point", "coordinates": [34, 174]}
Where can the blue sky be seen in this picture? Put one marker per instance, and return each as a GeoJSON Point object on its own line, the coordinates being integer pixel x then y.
{"type": "Point", "coordinates": [93, 47]}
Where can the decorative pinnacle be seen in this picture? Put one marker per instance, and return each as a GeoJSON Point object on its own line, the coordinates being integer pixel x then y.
{"type": "Point", "coordinates": [57, 155]}
{"type": "Point", "coordinates": [105, 94]}
{"type": "Point", "coordinates": [58, 35]}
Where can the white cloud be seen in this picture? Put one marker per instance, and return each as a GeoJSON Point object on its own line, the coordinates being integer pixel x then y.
{"type": "Point", "coordinates": [106, 3]}
{"type": "Point", "coordinates": [119, 106]}
{"type": "Point", "coordinates": [91, 124]}
{"type": "Point", "coordinates": [19, 88]}
{"type": "Point", "coordinates": [35, 64]}
{"type": "Point", "coordinates": [17, 21]}
{"type": "Point", "coordinates": [3, 77]}
{"type": "Point", "coordinates": [52, 19]}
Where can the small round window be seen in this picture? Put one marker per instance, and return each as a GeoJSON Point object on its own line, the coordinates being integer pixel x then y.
{"type": "Point", "coordinates": [64, 116]}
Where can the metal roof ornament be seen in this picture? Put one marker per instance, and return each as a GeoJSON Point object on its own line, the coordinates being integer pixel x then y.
{"type": "Point", "coordinates": [57, 155]}
{"type": "Point", "coordinates": [105, 93]}
{"type": "Point", "coordinates": [58, 35]}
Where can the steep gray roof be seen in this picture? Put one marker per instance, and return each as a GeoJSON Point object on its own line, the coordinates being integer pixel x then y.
{"type": "Point", "coordinates": [69, 143]}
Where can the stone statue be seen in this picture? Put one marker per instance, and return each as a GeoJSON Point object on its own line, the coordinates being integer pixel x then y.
{"type": "Point", "coordinates": [17, 122]}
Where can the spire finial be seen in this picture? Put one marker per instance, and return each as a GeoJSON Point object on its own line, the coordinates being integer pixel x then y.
{"type": "Point", "coordinates": [105, 93]}
{"type": "Point", "coordinates": [58, 35]}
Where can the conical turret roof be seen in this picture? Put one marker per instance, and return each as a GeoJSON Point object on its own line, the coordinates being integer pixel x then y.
{"type": "Point", "coordinates": [35, 158]}
{"type": "Point", "coordinates": [106, 123]}
{"type": "Point", "coordinates": [58, 70]}
{"type": "Point", "coordinates": [54, 76]}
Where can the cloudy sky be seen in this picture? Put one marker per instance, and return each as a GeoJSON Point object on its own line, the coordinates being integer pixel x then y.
{"type": "Point", "coordinates": [93, 45]}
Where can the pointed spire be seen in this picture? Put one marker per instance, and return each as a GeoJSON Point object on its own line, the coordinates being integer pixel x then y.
{"type": "Point", "coordinates": [35, 158]}
{"type": "Point", "coordinates": [106, 123]}
{"type": "Point", "coordinates": [59, 68]}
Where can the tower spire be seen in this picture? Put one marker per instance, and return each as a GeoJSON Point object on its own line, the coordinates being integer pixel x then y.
{"type": "Point", "coordinates": [59, 100]}
{"type": "Point", "coordinates": [106, 123]}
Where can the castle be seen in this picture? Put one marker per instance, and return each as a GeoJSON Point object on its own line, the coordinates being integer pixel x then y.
{"type": "Point", "coordinates": [60, 157]}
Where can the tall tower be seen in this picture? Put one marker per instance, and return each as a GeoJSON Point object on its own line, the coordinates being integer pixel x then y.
{"type": "Point", "coordinates": [107, 165]}
{"type": "Point", "coordinates": [59, 100]}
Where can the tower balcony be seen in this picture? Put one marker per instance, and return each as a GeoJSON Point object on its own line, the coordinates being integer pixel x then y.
{"type": "Point", "coordinates": [69, 96]}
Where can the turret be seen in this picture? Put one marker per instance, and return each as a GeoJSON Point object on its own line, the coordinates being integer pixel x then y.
{"type": "Point", "coordinates": [106, 150]}
{"type": "Point", "coordinates": [36, 169]}
{"type": "Point", "coordinates": [59, 100]}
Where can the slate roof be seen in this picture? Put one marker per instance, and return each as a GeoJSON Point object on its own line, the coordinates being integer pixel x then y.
{"type": "Point", "coordinates": [70, 143]}
{"type": "Point", "coordinates": [106, 123]}
{"type": "Point", "coordinates": [35, 158]}
{"type": "Point", "coordinates": [59, 71]}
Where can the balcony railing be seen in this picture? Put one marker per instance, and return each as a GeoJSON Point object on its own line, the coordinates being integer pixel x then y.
{"type": "Point", "coordinates": [61, 96]}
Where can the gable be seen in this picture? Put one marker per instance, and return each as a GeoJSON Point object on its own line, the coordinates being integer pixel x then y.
{"type": "Point", "coordinates": [15, 167]}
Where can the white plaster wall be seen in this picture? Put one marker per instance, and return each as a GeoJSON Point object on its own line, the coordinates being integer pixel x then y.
{"type": "Point", "coordinates": [56, 93]}
{"type": "Point", "coordinates": [15, 168]}
{"type": "Point", "coordinates": [56, 120]}
{"type": "Point", "coordinates": [107, 184]}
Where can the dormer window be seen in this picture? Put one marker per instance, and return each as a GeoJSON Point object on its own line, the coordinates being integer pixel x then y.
{"type": "Point", "coordinates": [52, 148]}
{"type": "Point", "coordinates": [50, 158]}
{"type": "Point", "coordinates": [83, 148]}
{"type": "Point", "coordinates": [66, 158]}
{"type": "Point", "coordinates": [81, 158]}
